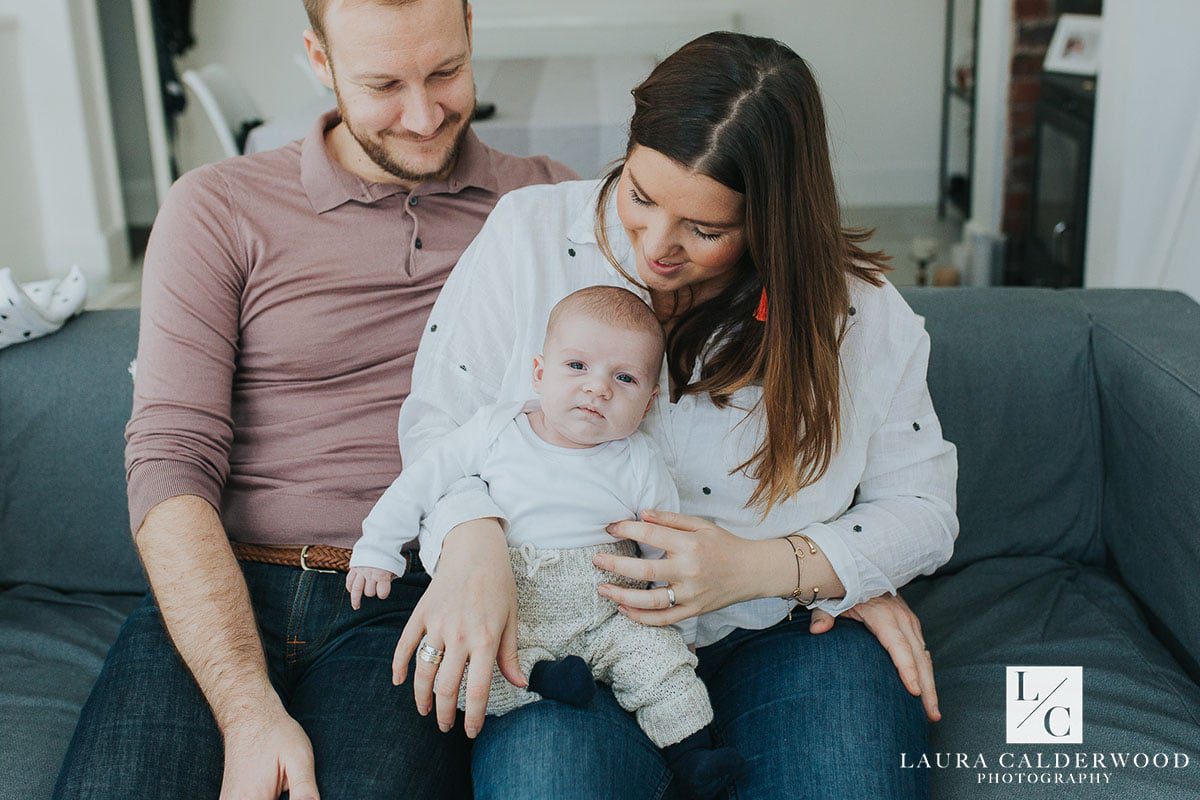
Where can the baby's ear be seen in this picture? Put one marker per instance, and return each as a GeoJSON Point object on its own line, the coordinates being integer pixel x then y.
{"type": "Point", "coordinates": [650, 402]}
{"type": "Point", "coordinates": [539, 365]}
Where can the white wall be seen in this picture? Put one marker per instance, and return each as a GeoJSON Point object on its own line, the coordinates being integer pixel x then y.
{"type": "Point", "coordinates": [879, 65]}
{"type": "Point", "coordinates": [257, 41]}
{"type": "Point", "coordinates": [20, 220]}
{"type": "Point", "coordinates": [880, 69]}
{"type": "Point", "coordinates": [128, 110]}
{"type": "Point", "coordinates": [991, 117]}
{"type": "Point", "coordinates": [60, 73]}
{"type": "Point", "coordinates": [1144, 208]}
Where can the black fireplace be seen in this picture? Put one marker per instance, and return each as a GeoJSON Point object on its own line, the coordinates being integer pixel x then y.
{"type": "Point", "coordinates": [1054, 251]}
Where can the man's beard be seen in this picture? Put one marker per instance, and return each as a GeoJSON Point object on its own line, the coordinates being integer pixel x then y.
{"type": "Point", "coordinates": [375, 150]}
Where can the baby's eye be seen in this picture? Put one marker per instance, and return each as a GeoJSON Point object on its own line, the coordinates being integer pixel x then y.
{"type": "Point", "coordinates": [574, 365]}
{"type": "Point", "coordinates": [625, 377]}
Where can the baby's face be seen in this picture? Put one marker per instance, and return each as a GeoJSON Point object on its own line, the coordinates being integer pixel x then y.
{"type": "Point", "coordinates": [596, 381]}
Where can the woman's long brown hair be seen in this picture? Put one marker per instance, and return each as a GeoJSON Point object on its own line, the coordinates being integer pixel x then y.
{"type": "Point", "coordinates": [746, 111]}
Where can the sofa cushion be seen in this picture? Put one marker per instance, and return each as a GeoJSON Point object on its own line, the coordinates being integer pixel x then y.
{"type": "Point", "coordinates": [1011, 378]}
{"type": "Point", "coordinates": [51, 648]}
{"type": "Point", "coordinates": [1038, 611]}
{"type": "Point", "coordinates": [64, 401]}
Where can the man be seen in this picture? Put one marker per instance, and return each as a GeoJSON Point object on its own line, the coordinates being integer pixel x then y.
{"type": "Point", "coordinates": [284, 297]}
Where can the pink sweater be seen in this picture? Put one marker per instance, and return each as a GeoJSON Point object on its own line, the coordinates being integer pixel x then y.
{"type": "Point", "coordinates": [283, 299]}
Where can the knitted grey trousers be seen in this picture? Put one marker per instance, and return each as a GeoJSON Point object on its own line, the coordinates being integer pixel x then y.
{"type": "Point", "coordinates": [650, 669]}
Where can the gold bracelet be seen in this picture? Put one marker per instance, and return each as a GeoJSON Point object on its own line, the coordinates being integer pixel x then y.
{"type": "Point", "coordinates": [798, 552]}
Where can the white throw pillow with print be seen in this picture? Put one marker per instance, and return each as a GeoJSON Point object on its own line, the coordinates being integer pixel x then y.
{"type": "Point", "coordinates": [30, 310]}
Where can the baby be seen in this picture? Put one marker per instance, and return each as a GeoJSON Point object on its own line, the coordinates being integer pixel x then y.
{"type": "Point", "coordinates": [561, 468]}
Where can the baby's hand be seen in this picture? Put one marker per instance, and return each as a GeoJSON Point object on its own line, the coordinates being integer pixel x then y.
{"type": "Point", "coordinates": [370, 581]}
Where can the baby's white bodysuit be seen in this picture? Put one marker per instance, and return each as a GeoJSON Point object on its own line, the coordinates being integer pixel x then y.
{"type": "Point", "coordinates": [552, 497]}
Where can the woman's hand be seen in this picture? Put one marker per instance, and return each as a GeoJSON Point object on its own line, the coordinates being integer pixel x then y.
{"type": "Point", "coordinates": [899, 631]}
{"type": "Point", "coordinates": [708, 568]}
{"type": "Point", "coordinates": [469, 612]}
{"type": "Point", "coordinates": [696, 567]}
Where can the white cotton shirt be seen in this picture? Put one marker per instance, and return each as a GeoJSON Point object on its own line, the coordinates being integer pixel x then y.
{"type": "Point", "coordinates": [548, 496]}
{"type": "Point", "coordinates": [884, 511]}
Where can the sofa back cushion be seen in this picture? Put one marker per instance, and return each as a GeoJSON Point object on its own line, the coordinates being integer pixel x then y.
{"type": "Point", "coordinates": [64, 401]}
{"type": "Point", "coordinates": [1010, 374]}
{"type": "Point", "coordinates": [1011, 377]}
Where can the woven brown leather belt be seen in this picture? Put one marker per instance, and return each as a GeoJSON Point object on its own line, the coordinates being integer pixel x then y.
{"type": "Point", "coordinates": [311, 557]}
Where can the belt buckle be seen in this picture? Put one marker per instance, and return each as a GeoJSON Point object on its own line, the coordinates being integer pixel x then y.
{"type": "Point", "coordinates": [304, 564]}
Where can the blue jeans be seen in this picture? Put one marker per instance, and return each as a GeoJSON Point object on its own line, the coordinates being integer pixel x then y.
{"type": "Point", "coordinates": [815, 716]}
{"type": "Point", "coordinates": [146, 730]}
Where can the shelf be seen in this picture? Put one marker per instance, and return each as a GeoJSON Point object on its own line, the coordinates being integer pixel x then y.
{"type": "Point", "coordinates": [955, 190]}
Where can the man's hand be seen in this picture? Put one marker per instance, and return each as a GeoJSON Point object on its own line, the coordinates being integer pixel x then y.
{"type": "Point", "coordinates": [369, 581]}
{"type": "Point", "coordinates": [266, 757]}
{"type": "Point", "coordinates": [206, 608]}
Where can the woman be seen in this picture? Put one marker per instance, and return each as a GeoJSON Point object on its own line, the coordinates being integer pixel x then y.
{"type": "Point", "coordinates": [793, 402]}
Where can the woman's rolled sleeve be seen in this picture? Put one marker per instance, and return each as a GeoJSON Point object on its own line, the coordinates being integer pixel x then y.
{"type": "Point", "coordinates": [904, 521]}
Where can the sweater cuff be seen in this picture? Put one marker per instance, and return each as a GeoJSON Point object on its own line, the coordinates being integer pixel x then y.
{"type": "Point", "coordinates": [152, 482]}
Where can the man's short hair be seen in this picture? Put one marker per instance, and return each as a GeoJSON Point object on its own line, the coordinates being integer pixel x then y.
{"type": "Point", "coordinates": [611, 305]}
{"type": "Point", "coordinates": [316, 11]}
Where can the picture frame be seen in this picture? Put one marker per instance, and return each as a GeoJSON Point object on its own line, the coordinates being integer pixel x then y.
{"type": "Point", "coordinates": [1075, 48]}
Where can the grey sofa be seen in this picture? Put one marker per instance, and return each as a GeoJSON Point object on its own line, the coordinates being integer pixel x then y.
{"type": "Point", "coordinates": [1077, 420]}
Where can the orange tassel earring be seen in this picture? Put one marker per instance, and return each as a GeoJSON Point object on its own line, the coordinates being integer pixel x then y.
{"type": "Point", "coordinates": [761, 313]}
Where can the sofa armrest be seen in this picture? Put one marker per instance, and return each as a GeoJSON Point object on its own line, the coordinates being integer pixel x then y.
{"type": "Point", "coordinates": [1146, 346]}
{"type": "Point", "coordinates": [64, 402]}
